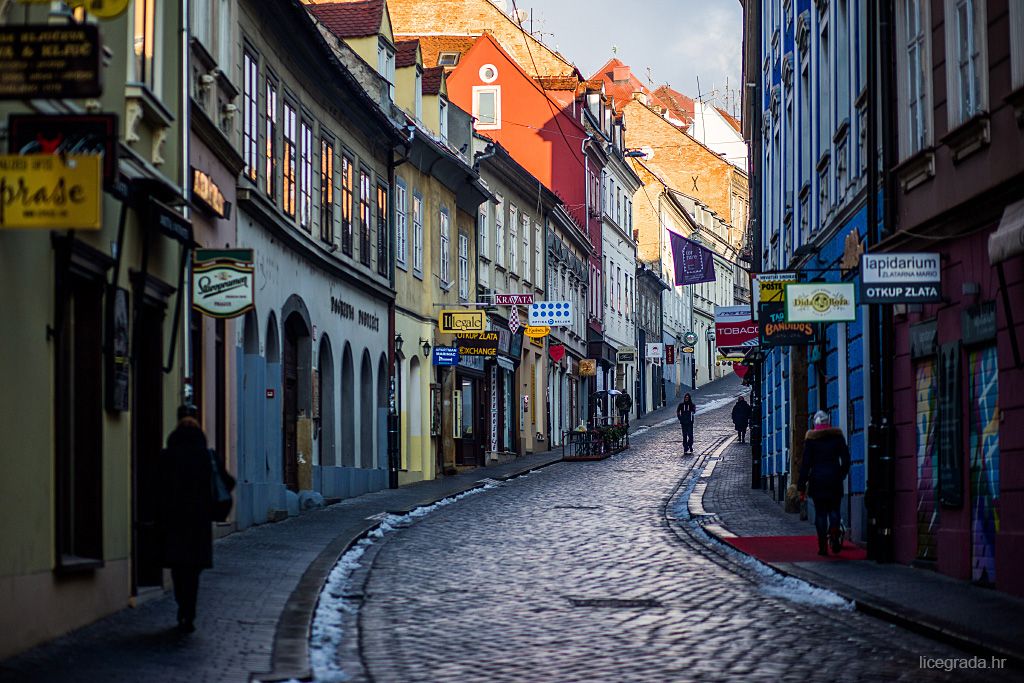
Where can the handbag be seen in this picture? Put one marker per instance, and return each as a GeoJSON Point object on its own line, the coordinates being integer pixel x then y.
{"type": "Point", "coordinates": [221, 486]}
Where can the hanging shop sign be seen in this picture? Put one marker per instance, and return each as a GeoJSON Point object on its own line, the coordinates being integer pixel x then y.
{"type": "Point", "coordinates": [170, 222]}
{"type": "Point", "coordinates": [102, 9]}
{"type": "Point", "coordinates": [43, 61]}
{"type": "Point", "coordinates": [447, 356]}
{"type": "Point", "coordinates": [557, 352]}
{"type": "Point", "coordinates": [587, 367]}
{"type": "Point", "coordinates": [734, 328]}
{"type": "Point", "coordinates": [551, 313]}
{"type": "Point", "coordinates": [769, 287]}
{"type": "Point", "coordinates": [827, 302]}
{"type": "Point", "coordinates": [50, 192]}
{"type": "Point", "coordinates": [924, 338]}
{"type": "Point", "coordinates": [900, 278]}
{"type": "Point", "coordinates": [223, 282]}
{"type": "Point", "coordinates": [459, 320]}
{"type": "Point", "coordinates": [978, 323]}
{"type": "Point", "coordinates": [66, 134]}
{"type": "Point", "coordinates": [670, 354]}
{"type": "Point", "coordinates": [117, 362]}
{"type": "Point", "coordinates": [775, 331]}
{"type": "Point", "coordinates": [687, 349]}
{"type": "Point", "coordinates": [208, 195]}
{"type": "Point", "coordinates": [690, 338]}
{"type": "Point", "coordinates": [481, 344]}
{"type": "Point", "coordinates": [654, 351]}
{"type": "Point", "coordinates": [513, 299]}
{"type": "Point", "coordinates": [625, 356]}
{"type": "Point", "coordinates": [537, 331]}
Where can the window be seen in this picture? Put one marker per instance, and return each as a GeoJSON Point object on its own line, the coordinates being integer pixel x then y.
{"type": "Point", "coordinates": [417, 233]}
{"type": "Point", "coordinates": [365, 218]}
{"type": "Point", "coordinates": [965, 59]}
{"type": "Point", "coordinates": [487, 106]}
{"type": "Point", "coordinates": [201, 22]}
{"type": "Point", "coordinates": [288, 197]}
{"type": "Point", "coordinates": [401, 224]}
{"type": "Point", "coordinates": [448, 59]}
{"type": "Point", "coordinates": [446, 275]}
{"type": "Point", "coordinates": [347, 204]}
{"type": "Point", "coordinates": [418, 94]}
{"type": "Point", "coordinates": [618, 289]}
{"type": "Point", "coordinates": [1016, 44]}
{"type": "Point", "coordinates": [386, 65]}
{"type": "Point", "coordinates": [306, 176]}
{"type": "Point", "coordinates": [382, 229]}
{"type": "Point", "coordinates": [482, 249]}
{"type": "Point", "coordinates": [463, 266]}
{"type": "Point", "coordinates": [842, 62]}
{"type": "Point", "coordinates": [915, 64]}
{"type": "Point", "coordinates": [443, 119]}
{"type": "Point", "coordinates": [250, 87]}
{"type": "Point", "coordinates": [513, 238]}
{"type": "Point", "coordinates": [525, 230]}
{"type": "Point", "coordinates": [326, 190]}
{"type": "Point", "coordinates": [499, 232]}
{"type": "Point", "coordinates": [144, 43]}
{"type": "Point", "coordinates": [824, 97]}
{"type": "Point", "coordinates": [538, 256]}
{"type": "Point", "coordinates": [271, 144]}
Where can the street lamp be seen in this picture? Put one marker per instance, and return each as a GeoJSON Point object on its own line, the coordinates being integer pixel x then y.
{"type": "Point", "coordinates": [398, 344]}
{"type": "Point", "coordinates": [426, 347]}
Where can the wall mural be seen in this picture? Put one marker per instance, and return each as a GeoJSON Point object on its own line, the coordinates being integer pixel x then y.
{"type": "Point", "coordinates": [927, 483]}
{"type": "Point", "coordinates": [984, 445]}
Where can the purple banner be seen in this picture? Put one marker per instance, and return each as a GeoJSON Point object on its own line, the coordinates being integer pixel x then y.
{"type": "Point", "coordinates": [693, 263]}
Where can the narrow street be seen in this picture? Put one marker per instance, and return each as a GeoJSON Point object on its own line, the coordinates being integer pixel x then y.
{"type": "Point", "coordinates": [590, 571]}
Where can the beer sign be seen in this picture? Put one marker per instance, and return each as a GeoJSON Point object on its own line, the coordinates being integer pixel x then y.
{"type": "Point", "coordinates": [223, 282]}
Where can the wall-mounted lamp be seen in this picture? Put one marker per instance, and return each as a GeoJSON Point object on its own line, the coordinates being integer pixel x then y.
{"type": "Point", "coordinates": [426, 347]}
{"type": "Point", "coordinates": [398, 344]}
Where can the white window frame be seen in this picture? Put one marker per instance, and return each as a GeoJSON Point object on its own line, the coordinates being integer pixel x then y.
{"type": "Point", "coordinates": [250, 114]}
{"type": "Point", "coordinates": [305, 174]}
{"type": "Point", "coordinates": [513, 238]}
{"type": "Point", "coordinates": [479, 123]}
{"type": "Point", "coordinates": [401, 223]}
{"type": "Point", "coordinates": [524, 228]}
{"type": "Point", "coordinates": [386, 65]}
{"type": "Point", "coordinates": [463, 266]}
{"type": "Point", "coordinates": [418, 94]}
{"type": "Point", "coordinates": [483, 250]}
{"type": "Point", "coordinates": [442, 113]}
{"type": "Point", "coordinates": [445, 262]}
{"type": "Point", "coordinates": [417, 234]}
{"type": "Point", "coordinates": [499, 231]}
{"type": "Point", "coordinates": [958, 109]}
{"type": "Point", "coordinates": [538, 255]}
{"type": "Point", "coordinates": [914, 63]}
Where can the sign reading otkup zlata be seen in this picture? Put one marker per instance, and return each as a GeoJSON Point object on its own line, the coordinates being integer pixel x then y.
{"type": "Point", "coordinates": [900, 278]}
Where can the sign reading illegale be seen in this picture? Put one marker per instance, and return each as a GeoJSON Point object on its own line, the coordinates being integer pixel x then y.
{"type": "Point", "coordinates": [458, 320]}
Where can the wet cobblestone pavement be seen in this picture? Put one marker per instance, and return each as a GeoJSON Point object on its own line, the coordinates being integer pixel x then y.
{"type": "Point", "coordinates": [578, 572]}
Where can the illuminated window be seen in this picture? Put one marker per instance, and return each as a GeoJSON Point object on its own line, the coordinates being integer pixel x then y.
{"type": "Point", "coordinates": [326, 190]}
{"type": "Point", "coordinates": [250, 133]}
{"type": "Point", "coordinates": [270, 154]}
{"type": "Point", "coordinates": [288, 194]}
{"type": "Point", "coordinates": [365, 218]}
{"type": "Point", "coordinates": [347, 204]}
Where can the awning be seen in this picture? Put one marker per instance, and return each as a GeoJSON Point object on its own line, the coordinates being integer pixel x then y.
{"type": "Point", "coordinates": [505, 363]}
{"type": "Point", "coordinates": [1008, 240]}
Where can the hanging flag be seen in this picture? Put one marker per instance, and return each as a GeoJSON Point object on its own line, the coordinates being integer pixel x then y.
{"type": "Point", "coordinates": [693, 262]}
{"type": "Point", "coordinates": [513, 319]}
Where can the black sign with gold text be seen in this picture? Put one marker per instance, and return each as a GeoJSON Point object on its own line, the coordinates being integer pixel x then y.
{"type": "Point", "coordinates": [775, 331]}
{"type": "Point", "coordinates": [484, 344]}
{"type": "Point", "coordinates": [43, 61]}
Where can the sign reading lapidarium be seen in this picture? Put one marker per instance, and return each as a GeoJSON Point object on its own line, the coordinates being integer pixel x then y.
{"type": "Point", "coordinates": [900, 278]}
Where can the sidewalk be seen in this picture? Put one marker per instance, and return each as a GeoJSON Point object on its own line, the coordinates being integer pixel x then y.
{"type": "Point", "coordinates": [975, 619]}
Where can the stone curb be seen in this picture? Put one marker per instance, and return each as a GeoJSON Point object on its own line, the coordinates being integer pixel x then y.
{"type": "Point", "coordinates": [874, 606]}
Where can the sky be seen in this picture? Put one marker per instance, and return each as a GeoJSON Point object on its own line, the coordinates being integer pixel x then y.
{"type": "Point", "coordinates": [681, 41]}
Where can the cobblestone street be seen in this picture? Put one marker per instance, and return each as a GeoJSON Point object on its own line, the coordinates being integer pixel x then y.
{"type": "Point", "coordinates": [576, 573]}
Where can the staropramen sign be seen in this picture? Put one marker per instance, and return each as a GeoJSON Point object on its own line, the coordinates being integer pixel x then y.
{"type": "Point", "coordinates": [223, 282]}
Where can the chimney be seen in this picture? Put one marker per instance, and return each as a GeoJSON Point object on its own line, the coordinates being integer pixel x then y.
{"type": "Point", "coordinates": [620, 74]}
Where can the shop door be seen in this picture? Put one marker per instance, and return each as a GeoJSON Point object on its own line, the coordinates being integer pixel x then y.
{"type": "Point", "coordinates": [927, 461]}
{"type": "Point", "coordinates": [148, 439]}
{"type": "Point", "coordinates": [469, 448]}
{"type": "Point", "coordinates": [290, 383]}
{"type": "Point", "coordinates": [983, 374]}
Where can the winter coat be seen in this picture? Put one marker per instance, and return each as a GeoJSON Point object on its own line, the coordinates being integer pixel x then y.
{"type": "Point", "coordinates": [186, 508]}
{"type": "Point", "coordinates": [685, 412]}
{"type": "Point", "coordinates": [825, 465]}
{"type": "Point", "coordinates": [741, 415]}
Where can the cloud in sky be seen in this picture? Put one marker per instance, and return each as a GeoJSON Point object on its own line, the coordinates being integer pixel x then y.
{"type": "Point", "coordinates": [681, 41]}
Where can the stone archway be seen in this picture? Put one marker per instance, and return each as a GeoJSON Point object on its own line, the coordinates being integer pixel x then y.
{"type": "Point", "coordinates": [327, 452]}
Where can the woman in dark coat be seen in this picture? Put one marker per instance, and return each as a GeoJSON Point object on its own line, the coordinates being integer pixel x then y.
{"type": "Point", "coordinates": [741, 417]}
{"type": "Point", "coordinates": [186, 512]}
{"type": "Point", "coordinates": [825, 466]}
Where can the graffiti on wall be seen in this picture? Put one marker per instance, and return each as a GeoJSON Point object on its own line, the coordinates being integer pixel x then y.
{"type": "Point", "coordinates": [984, 454]}
{"type": "Point", "coordinates": [927, 483]}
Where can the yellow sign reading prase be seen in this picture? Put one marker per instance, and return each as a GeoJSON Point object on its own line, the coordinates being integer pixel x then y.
{"type": "Point", "coordinates": [51, 192]}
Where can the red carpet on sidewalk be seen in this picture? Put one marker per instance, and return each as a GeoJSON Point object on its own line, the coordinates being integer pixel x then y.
{"type": "Point", "coordinates": [792, 549]}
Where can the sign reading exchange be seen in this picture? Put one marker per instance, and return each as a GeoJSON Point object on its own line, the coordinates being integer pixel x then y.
{"type": "Point", "coordinates": [815, 302]}
{"type": "Point", "coordinates": [223, 285]}
{"type": "Point", "coordinates": [900, 278]}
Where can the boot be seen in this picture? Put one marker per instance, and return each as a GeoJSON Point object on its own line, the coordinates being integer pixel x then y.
{"type": "Point", "coordinates": [835, 540]}
{"type": "Point", "coordinates": [822, 546]}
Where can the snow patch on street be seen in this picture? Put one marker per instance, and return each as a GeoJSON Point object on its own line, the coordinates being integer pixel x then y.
{"type": "Point", "coordinates": [336, 604]}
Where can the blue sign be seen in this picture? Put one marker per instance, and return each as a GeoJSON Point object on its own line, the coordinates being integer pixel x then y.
{"type": "Point", "coordinates": [551, 313]}
{"type": "Point", "coordinates": [446, 355]}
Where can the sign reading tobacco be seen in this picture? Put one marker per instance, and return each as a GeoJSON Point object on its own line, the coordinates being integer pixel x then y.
{"type": "Point", "coordinates": [50, 192]}
{"type": "Point", "coordinates": [40, 61]}
{"type": "Point", "coordinates": [223, 282]}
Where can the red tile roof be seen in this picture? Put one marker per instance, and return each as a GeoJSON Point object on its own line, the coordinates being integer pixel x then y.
{"type": "Point", "coordinates": [730, 119]}
{"type": "Point", "coordinates": [558, 82]}
{"type": "Point", "coordinates": [433, 46]}
{"type": "Point", "coordinates": [350, 18]}
{"type": "Point", "coordinates": [405, 52]}
{"type": "Point", "coordinates": [622, 90]}
{"type": "Point", "coordinates": [678, 104]}
{"type": "Point", "coordinates": [432, 80]}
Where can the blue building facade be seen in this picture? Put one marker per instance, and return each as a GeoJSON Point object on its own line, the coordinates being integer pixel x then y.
{"type": "Point", "coordinates": [813, 208]}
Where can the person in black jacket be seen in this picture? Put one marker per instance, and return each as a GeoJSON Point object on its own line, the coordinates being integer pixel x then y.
{"type": "Point", "coordinates": [186, 511]}
{"type": "Point", "coordinates": [686, 411]}
{"type": "Point", "coordinates": [741, 417]}
{"type": "Point", "coordinates": [825, 466]}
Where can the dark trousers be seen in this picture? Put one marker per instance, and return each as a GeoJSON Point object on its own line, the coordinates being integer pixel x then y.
{"type": "Point", "coordinates": [687, 436]}
{"type": "Point", "coordinates": [186, 590]}
{"type": "Point", "coordinates": [826, 515]}
{"type": "Point", "coordinates": [742, 432]}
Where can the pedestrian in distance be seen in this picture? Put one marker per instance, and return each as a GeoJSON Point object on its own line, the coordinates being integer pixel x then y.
{"type": "Point", "coordinates": [741, 418]}
{"type": "Point", "coordinates": [686, 411]}
{"type": "Point", "coordinates": [825, 466]}
{"type": "Point", "coordinates": [186, 511]}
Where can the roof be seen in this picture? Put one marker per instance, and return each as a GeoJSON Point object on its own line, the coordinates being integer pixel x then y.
{"type": "Point", "coordinates": [433, 46]}
{"type": "Point", "coordinates": [558, 82]}
{"type": "Point", "coordinates": [432, 77]}
{"type": "Point", "coordinates": [405, 52]}
{"type": "Point", "coordinates": [730, 119]}
{"type": "Point", "coordinates": [622, 90]}
{"type": "Point", "coordinates": [350, 18]}
{"type": "Point", "coordinates": [678, 104]}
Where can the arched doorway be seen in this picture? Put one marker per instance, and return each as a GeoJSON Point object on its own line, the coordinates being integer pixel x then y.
{"type": "Point", "coordinates": [413, 401]}
{"type": "Point", "coordinates": [348, 409]}
{"type": "Point", "coordinates": [327, 455]}
{"type": "Point", "coordinates": [295, 379]}
{"type": "Point", "coordinates": [366, 411]}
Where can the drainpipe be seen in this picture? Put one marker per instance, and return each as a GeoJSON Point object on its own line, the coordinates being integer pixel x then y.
{"type": "Point", "coordinates": [186, 279]}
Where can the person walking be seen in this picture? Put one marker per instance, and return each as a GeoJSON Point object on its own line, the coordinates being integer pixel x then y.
{"type": "Point", "coordinates": [741, 418]}
{"type": "Point", "coordinates": [186, 511]}
{"type": "Point", "coordinates": [686, 411]}
{"type": "Point", "coordinates": [825, 466]}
